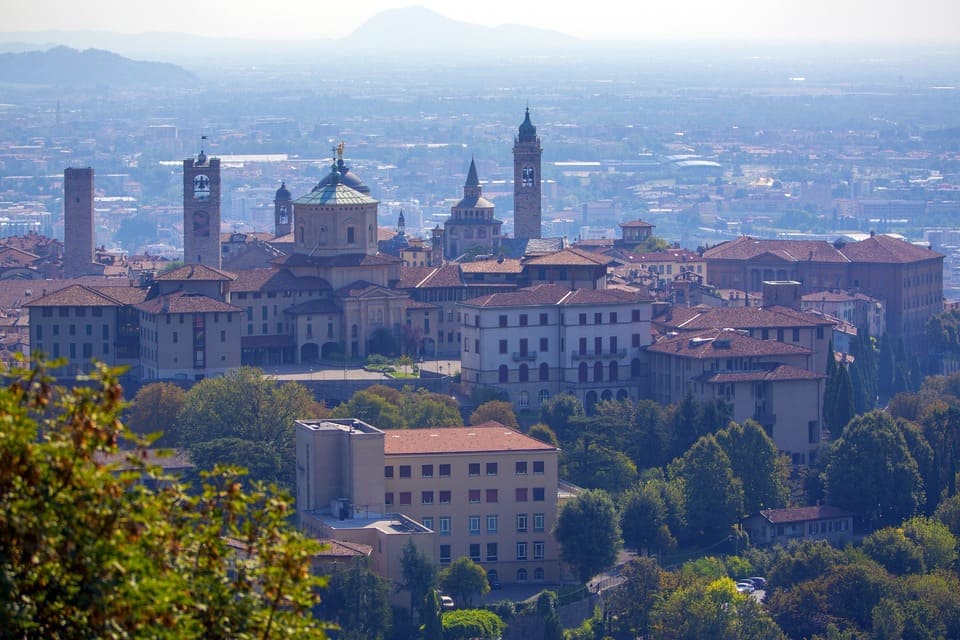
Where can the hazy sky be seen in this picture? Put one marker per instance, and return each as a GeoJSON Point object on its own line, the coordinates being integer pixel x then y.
{"type": "Point", "coordinates": [843, 20]}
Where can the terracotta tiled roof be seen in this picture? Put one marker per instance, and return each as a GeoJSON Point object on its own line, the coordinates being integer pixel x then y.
{"type": "Point", "coordinates": [705, 317]}
{"type": "Point", "coordinates": [570, 256]}
{"type": "Point", "coordinates": [273, 279]}
{"type": "Point", "coordinates": [185, 302]}
{"type": "Point", "coordinates": [745, 247]}
{"type": "Point", "coordinates": [670, 255]}
{"type": "Point", "coordinates": [195, 273]}
{"type": "Point", "coordinates": [345, 260]}
{"type": "Point", "coordinates": [766, 374]}
{"type": "Point", "coordinates": [802, 514]}
{"type": "Point", "coordinates": [543, 294]}
{"type": "Point", "coordinates": [722, 343]}
{"type": "Point", "coordinates": [77, 295]}
{"type": "Point", "coordinates": [430, 277]}
{"type": "Point", "coordinates": [636, 224]}
{"type": "Point", "coordinates": [343, 549]}
{"type": "Point", "coordinates": [507, 265]}
{"type": "Point", "coordinates": [884, 250]}
{"type": "Point", "coordinates": [486, 437]}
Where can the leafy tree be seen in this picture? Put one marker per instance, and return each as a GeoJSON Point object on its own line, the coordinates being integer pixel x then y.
{"type": "Point", "coordinates": [372, 409]}
{"type": "Point", "coordinates": [497, 410]}
{"type": "Point", "coordinates": [154, 410]}
{"type": "Point", "coordinates": [801, 562]}
{"type": "Point", "coordinates": [589, 533]}
{"type": "Point", "coordinates": [948, 512]}
{"type": "Point", "coordinates": [543, 433]}
{"type": "Point", "coordinates": [894, 551]}
{"type": "Point", "coordinates": [432, 624]}
{"type": "Point", "coordinates": [261, 460]}
{"type": "Point", "coordinates": [471, 624]}
{"type": "Point", "coordinates": [934, 539]}
{"type": "Point", "coordinates": [597, 467]}
{"type": "Point", "coordinates": [463, 579]}
{"type": "Point", "coordinates": [886, 368]}
{"type": "Point", "coordinates": [419, 576]}
{"type": "Point", "coordinates": [843, 408]}
{"type": "Point", "coordinates": [358, 600]}
{"type": "Point", "coordinates": [712, 494]}
{"type": "Point", "coordinates": [88, 550]}
{"type": "Point", "coordinates": [632, 601]}
{"type": "Point", "coordinates": [246, 405]}
{"type": "Point", "coordinates": [757, 462]}
{"type": "Point", "coordinates": [384, 342]}
{"type": "Point", "coordinates": [560, 413]}
{"type": "Point", "coordinates": [872, 473]}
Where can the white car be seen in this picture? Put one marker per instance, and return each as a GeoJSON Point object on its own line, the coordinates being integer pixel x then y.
{"type": "Point", "coordinates": [446, 602]}
{"type": "Point", "coordinates": [745, 587]}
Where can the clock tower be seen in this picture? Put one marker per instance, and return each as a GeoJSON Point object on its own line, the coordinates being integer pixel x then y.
{"type": "Point", "coordinates": [201, 210]}
{"type": "Point", "coordinates": [282, 212]}
{"type": "Point", "coordinates": [527, 181]}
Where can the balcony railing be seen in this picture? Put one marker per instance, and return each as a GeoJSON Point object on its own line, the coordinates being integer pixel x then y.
{"type": "Point", "coordinates": [594, 355]}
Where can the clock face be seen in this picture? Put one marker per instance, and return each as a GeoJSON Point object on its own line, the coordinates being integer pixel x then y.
{"type": "Point", "coordinates": [201, 187]}
{"type": "Point", "coordinates": [201, 224]}
{"type": "Point", "coordinates": [526, 176]}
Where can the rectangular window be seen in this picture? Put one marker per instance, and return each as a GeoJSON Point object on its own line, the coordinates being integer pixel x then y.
{"type": "Point", "coordinates": [405, 497]}
{"type": "Point", "coordinates": [502, 320]}
{"type": "Point", "coordinates": [474, 496]}
{"type": "Point", "coordinates": [521, 467]}
{"type": "Point", "coordinates": [475, 552]}
{"type": "Point", "coordinates": [388, 498]}
{"type": "Point", "coordinates": [88, 329]}
{"type": "Point", "coordinates": [537, 467]}
{"type": "Point", "coordinates": [491, 552]}
{"type": "Point", "coordinates": [426, 497]}
{"type": "Point", "coordinates": [491, 524]}
{"type": "Point", "coordinates": [474, 525]}
{"type": "Point", "coordinates": [474, 469]}
{"type": "Point", "coordinates": [583, 346]}
{"type": "Point", "coordinates": [597, 318]}
{"type": "Point", "coordinates": [521, 522]}
{"type": "Point", "coordinates": [476, 346]}
{"type": "Point", "coordinates": [503, 346]}
{"type": "Point", "coordinates": [613, 317]}
{"type": "Point", "coordinates": [544, 320]}
{"type": "Point", "coordinates": [635, 315]}
{"type": "Point", "coordinates": [444, 554]}
{"type": "Point", "coordinates": [538, 520]}
{"type": "Point", "coordinates": [523, 319]}
{"type": "Point", "coordinates": [426, 470]}
{"type": "Point", "coordinates": [491, 468]}
{"type": "Point", "coordinates": [428, 522]}
{"type": "Point", "coordinates": [444, 470]}
{"type": "Point", "coordinates": [819, 333]}
{"type": "Point", "coordinates": [521, 494]}
{"type": "Point", "coordinates": [105, 331]}
{"type": "Point", "coordinates": [445, 497]}
{"type": "Point", "coordinates": [444, 525]}
{"type": "Point", "coordinates": [598, 346]}
{"type": "Point", "coordinates": [613, 346]}
{"type": "Point", "coordinates": [521, 551]}
{"type": "Point", "coordinates": [796, 335]}
{"type": "Point", "coordinates": [404, 471]}
{"type": "Point", "coordinates": [491, 495]}
{"type": "Point", "coordinates": [538, 494]}
{"type": "Point", "coordinates": [388, 471]}
{"type": "Point", "coordinates": [538, 550]}
{"type": "Point", "coordinates": [582, 318]}
{"type": "Point", "coordinates": [635, 340]}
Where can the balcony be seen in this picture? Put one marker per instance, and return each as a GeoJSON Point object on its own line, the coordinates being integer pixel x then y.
{"type": "Point", "coordinates": [594, 355]}
{"type": "Point", "coordinates": [529, 356]}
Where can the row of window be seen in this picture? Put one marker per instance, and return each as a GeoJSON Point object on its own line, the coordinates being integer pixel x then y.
{"type": "Point", "coordinates": [493, 555]}
{"type": "Point", "coordinates": [492, 521]}
{"type": "Point", "coordinates": [86, 349]}
{"type": "Point", "coordinates": [473, 469]}
{"type": "Point", "coordinates": [72, 330]}
{"type": "Point", "coordinates": [521, 494]}
{"type": "Point", "coordinates": [544, 318]}
{"type": "Point", "coordinates": [64, 312]}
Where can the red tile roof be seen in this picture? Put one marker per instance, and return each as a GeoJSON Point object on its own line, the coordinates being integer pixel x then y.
{"type": "Point", "coordinates": [273, 279]}
{"type": "Point", "coordinates": [185, 302]}
{"type": "Point", "coordinates": [745, 248]}
{"type": "Point", "coordinates": [487, 437]}
{"type": "Point", "coordinates": [195, 273]}
{"type": "Point", "coordinates": [881, 249]}
{"type": "Point", "coordinates": [772, 374]}
{"type": "Point", "coordinates": [77, 295]}
{"type": "Point", "coordinates": [723, 343]}
{"type": "Point", "coordinates": [544, 294]}
{"type": "Point", "coordinates": [570, 256]}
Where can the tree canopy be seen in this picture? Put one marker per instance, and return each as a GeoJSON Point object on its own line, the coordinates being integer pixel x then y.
{"type": "Point", "coordinates": [463, 580]}
{"type": "Point", "coordinates": [89, 549]}
{"type": "Point", "coordinates": [588, 531]}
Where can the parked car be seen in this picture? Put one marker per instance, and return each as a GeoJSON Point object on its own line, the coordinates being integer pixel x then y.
{"type": "Point", "coordinates": [757, 581]}
{"type": "Point", "coordinates": [745, 587]}
{"type": "Point", "coordinates": [446, 602]}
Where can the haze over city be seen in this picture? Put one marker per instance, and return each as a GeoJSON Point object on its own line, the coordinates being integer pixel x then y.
{"type": "Point", "coordinates": [734, 20]}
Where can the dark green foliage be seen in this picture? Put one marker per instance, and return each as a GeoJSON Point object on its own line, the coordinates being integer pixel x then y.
{"type": "Point", "coordinates": [632, 601]}
{"type": "Point", "coordinates": [543, 433]}
{"type": "Point", "coordinates": [472, 624]}
{"type": "Point", "coordinates": [594, 466]}
{"type": "Point", "coordinates": [886, 369]}
{"type": "Point", "coordinates": [872, 473]}
{"type": "Point", "coordinates": [712, 494]}
{"type": "Point", "coordinates": [497, 410]}
{"type": "Point", "coordinates": [384, 342]}
{"type": "Point", "coordinates": [357, 599]}
{"type": "Point", "coordinates": [387, 408]}
{"type": "Point", "coordinates": [588, 531]}
{"type": "Point", "coordinates": [559, 413]}
{"type": "Point", "coordinates": [758, 464]}
{"type": "Point", "coordinates": [463, 580]}
{"type": "Point", "coordinates": [432, 611]}
{"type": "Point", "coordinates": [419, 577]}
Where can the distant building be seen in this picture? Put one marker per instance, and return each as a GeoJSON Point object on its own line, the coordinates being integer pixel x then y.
{"type": "Point", "coordinates": [527, 181]}
{"type": "Point", "coordinates": [780, 526]}
{"type": "Point", "coordinates": [201, 211]}
{"type": "Point", "coordinates": [78, 250]}
{"type": "Point", "coordinates": [471, 226]}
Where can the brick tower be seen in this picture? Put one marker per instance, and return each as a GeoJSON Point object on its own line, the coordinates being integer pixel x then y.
{"type": "Point", "coordinates": [526, 181]}
{"type": "Point", "coordinates": [201, 210]}
{"type": "Point", "coordinates": [78, 245]}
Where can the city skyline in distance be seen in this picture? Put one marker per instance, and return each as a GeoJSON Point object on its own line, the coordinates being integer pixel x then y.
{"type": "Point", "coordinates": [923, 21]}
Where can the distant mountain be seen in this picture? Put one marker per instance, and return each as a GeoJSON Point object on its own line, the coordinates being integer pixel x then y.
{"type": "Point", "coordinates": [421, 29]}
{"type": "Point", "coordinates": [63, 66]}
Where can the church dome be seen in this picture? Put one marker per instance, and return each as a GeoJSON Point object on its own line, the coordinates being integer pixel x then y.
{"type": "Point", "coordinates": [341, 174]}
{"type": "Point", "coordinates": [283, 194]}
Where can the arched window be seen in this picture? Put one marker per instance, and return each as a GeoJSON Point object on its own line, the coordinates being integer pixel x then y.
{"type": "Point", "coordinates": [521, 575]}
{"type": "Point", "coordinates": [503, 373]}
{"type": "Point", "coordinates": [544, 372]}
{"type": "Point", "coordinates": [606, 395]}
{"type": "Point", "coordinates": [538, 574]}
{"type": "Point", "coordinates": [598, 371]}
{"type": "Point", "coordinates": [614, 374]}
{"type": "Point", "coordinates": [582, 372]}
{"type": "Point", "coordinates": [622, 394]}
{"type": "Point", "coordinates": [524, 373]}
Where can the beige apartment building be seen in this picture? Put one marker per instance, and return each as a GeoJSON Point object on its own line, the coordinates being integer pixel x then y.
{"type": "Point", "coordinates": [485, 492]}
